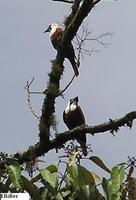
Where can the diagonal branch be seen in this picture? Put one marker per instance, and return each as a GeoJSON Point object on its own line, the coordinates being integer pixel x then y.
{"type": "Point", "coordinates": [52, 90]}
{"type": "Point", "coordinates": [74, 24]}
{"type": "Point", "coordinates": [70, 82]}
{"type": "Point", "coordinates": [96, 1]}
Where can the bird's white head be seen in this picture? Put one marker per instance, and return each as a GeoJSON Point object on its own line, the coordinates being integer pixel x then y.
{"type": "Point", "coordinates": [72, 105]}
{"type": "Point", "coordinates": [52, 28]}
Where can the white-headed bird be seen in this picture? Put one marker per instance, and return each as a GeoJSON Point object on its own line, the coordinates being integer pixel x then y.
{"type": "Point", "coordinates": [56, 31]}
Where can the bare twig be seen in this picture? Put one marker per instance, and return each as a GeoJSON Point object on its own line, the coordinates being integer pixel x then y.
{"type": "Point", "coordinates": [84, 37]}
{"type": "Point", "coordinates": [81, 41]}
{"type": "Point", "coordinates": [27, 88]}
{"type": "Point", "coordinates": [63, 176]}
{"type": "Point", "coordinates": [67, 85]}
{"type": "Point", "coordinates": [36, 93]}
{"type": "Point", "coordinates": [98, 39]}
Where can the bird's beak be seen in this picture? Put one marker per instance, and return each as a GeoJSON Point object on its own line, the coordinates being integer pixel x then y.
{"type": "Point", "coordinates": [47, 30]}
{"type": "Point", "coordinates": [74, 99]}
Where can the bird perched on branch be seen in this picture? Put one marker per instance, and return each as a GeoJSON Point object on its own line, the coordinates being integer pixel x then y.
{"type": "Point", "coordinates": [56, 31]}
{"type": "Point", "coordinates": [73, 117]}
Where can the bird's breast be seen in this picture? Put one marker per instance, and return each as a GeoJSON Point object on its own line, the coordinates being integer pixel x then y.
{"type": "Point", "coordinates": [74, 118]}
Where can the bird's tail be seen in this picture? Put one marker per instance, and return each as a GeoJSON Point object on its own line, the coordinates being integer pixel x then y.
{"type": "Point", "coordinates": [72, 58]}
{"type": "Point", "coordinates": [81, 139]}
{"type": "Point", "coordinates": [84, 148]}
{"type": "Point", "coordinates": [74, 65]}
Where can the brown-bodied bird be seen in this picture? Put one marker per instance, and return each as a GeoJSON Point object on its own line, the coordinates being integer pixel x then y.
{"type": "Point", "coordinates": [56, 31]}
{"type": "Point", "coordinates": [73, 117]}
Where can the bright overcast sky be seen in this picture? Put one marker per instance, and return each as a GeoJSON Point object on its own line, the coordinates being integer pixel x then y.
{"type": "Point", "coordinates": [106, 85]}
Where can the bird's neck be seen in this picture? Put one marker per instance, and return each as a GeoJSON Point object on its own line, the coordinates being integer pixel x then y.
{"type": "Point", "coordinates": [70, 108]}
{"type": "Point", "coordinates": [52, 31]}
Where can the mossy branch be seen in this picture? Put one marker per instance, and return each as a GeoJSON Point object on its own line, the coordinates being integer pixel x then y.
{"type": "Point", "coordinates": [112, 126]}
{"type": "Point", "coordinates": [73, 23]}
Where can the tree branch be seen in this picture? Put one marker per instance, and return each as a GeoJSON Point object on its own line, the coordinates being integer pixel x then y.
{"type": "Point", "coordinates": [65, 1]}
{"type": "Point", "coordinates": [70, 82]}
{"type": "Point", "coordinates": [58, 142]}
{"type": "Point", "coordinates": [52, 91]}
{"type": "Point", "coordinates": [74, 24]}
{"type": "Point", "coordinates": [27, 88]}
{"type": "Point", "coordinates": [96, 1]}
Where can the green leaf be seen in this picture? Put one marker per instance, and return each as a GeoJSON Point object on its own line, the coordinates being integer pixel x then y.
{"type": "Point", "coordinates": [66, 193]}
{"type": "Point", "coordinates": [84, 192]}
{"type": "Point", "coordinates": [14, 172]}
{"type": "Point", "coordinates": [74, 174]}
{"type": "Point", "coordinates": [109, 190]}
{"type": "Point", "coordinates": [89, 193]}
{"type": "Point", "coordinates": [112, 187]}
{"type": "Point", "coordinates": [122, 173]}
{"type": "Point", "coordinates": [117, 177]}
{"type": "Point", "coordinates": [52, 191]}
{"type": "Point", "coordinates": [53, 168]}
{"type": "Point", "coordinates": [44, 193]}
{"type": "Point", "coordinates": [50, 178]}
{"type": "Point", "coordinates": [31, 188]}
{"type": "Point", "coordinates": [94, 194]}
{"type": "Point", "coordinates": [86, 176]}
{"type": "Point", "coordinates": [100, 163]}
{"type": "Point", "coordinates": [81, 175]}
{"type": "Point", "coordinates": [104, 185]}
{"type": "Point", "coordinates": [96, 177]}
{"type": "Point", "coordinates": [68, 180]}
{"type": "Point", "coordinates": [58, 196]}
{"type": "Point", "coordinates": [72, 157]}
{"type": "Point", "coordinates": [51, 182]}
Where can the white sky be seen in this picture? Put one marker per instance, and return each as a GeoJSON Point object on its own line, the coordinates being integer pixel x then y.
{"type": "Point", "coordinates": [106, 85]}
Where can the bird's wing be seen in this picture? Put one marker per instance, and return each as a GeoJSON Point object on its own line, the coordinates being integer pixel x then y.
{"type": "Point", "coordinates": [55, 38]}
{"type": "Point", "coordinates": [59, 33]}
{"type": "Point", "coordinates": [81, 114]}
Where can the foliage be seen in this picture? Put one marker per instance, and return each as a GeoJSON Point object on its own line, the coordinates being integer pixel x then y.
{"type": "Point", "coordinates": [75, 182]}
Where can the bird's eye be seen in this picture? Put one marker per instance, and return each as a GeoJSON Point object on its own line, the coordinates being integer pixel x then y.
{"type": "Point", "coordinates": [71, 100]}
{"type": "Point", "coordinates": [49, 28]}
